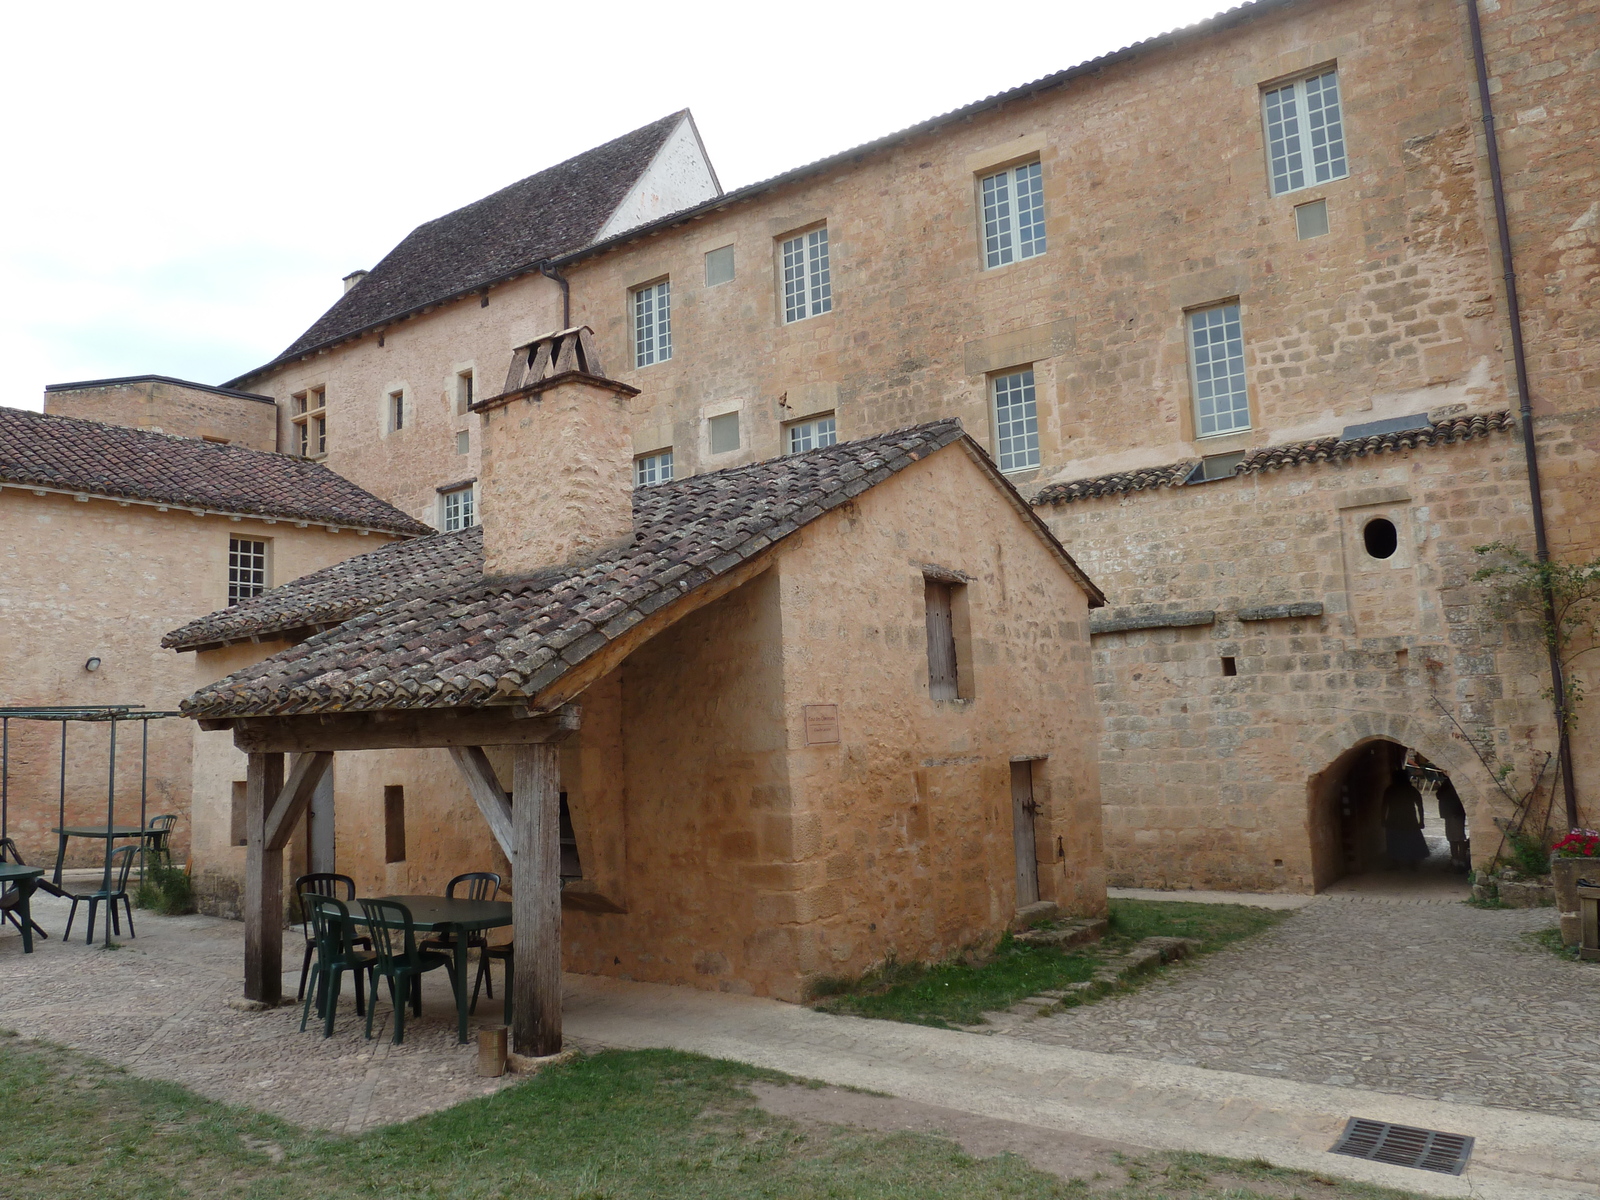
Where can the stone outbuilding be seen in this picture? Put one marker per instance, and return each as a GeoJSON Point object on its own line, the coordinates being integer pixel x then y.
{"type": "Point", "coordinates": [804, 713]}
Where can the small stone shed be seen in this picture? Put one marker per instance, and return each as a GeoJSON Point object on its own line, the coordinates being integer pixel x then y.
{"type": "Point", "coordinates": [791, 717]}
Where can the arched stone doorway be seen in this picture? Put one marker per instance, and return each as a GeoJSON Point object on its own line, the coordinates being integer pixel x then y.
{"type": "Point", "coordinates": [1345, 812]}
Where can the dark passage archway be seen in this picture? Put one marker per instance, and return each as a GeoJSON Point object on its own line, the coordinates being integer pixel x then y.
{"type": "Point", "coordinates": [1349, 835]}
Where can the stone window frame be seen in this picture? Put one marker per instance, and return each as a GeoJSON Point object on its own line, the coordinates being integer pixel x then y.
{"type": "Point", "coordinates": [394, 408]}
{"type": "Point", "coordinates": [652, 329]}
{"type": "Point", "coordinates": [1304, 132]}
{"type": "Point", "coordinates": [992, 253]}
{"type": "Point", "coordinates": [465, 380]}
{"type": "Point", "coordinates": [653, 468]}
{"type": "Point", "coordinates": [812, 432]}
{"type": "Point", "coordinates": [1193, 420]}
{"type": "Point", "coordinates": [816, 292]}
{"type": "Point", "coordinates": [309, 422]}
{"type": "Point", "coordinates": [1032, 456]}
{"type": "Point", "coordinates": [249, 568]}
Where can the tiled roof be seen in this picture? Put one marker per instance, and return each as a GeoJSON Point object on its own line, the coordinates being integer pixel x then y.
{"type": "Point", "coordinates": [557, 210]}
{"type": "Point", "coordinates": [1332, 449]}
{"type": "Point", "coordinates": [1122, 481]}
{"type": "Point", "coordinates": [70, 454]}
{"type": "Point", "coordinates": [1296, 454]}
{"type": "Point", "coordinates": [502, 640]}
{"type": "Point", "coordinates": [417, 567]}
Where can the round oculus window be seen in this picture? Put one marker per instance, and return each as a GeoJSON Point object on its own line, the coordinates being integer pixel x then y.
{"type": "Point", "coordinates": [1381, 538]}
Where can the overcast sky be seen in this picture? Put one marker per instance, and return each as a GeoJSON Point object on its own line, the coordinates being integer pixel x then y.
{"type": "Point", "coordinates": [187, 183]}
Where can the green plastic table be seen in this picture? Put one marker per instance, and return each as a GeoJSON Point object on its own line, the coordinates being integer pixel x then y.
{"type": "Point", "coordinates": [452, 915]}
{"type": "Point", "coordinates": [24, 878]}
{"type": "Point", "coordinates": [115, 833]}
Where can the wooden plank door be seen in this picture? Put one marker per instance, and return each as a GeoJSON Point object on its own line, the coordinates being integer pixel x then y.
{"type": "Point", "coordinates": [1023, 808]}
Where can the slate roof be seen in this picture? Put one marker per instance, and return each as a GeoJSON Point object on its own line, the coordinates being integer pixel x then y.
{"type": "Point", "coordinates": [71, 454]}
{"type": "Point", "coordinates": [505, 639]}
{"type": "Point", "coordinates": [557, 210]}
{"type": "Point", "coordinates": [423, 566]}
{"type": "Point", "coordinates": [1295, 454]}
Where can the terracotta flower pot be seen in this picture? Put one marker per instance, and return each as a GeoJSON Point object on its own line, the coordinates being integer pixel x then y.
{"type": "Point", "coordinates": [1565, 873]}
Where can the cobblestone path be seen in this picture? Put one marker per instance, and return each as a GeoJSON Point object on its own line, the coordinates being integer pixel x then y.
{"type": "Point", "coordinates": [1435, 1000]}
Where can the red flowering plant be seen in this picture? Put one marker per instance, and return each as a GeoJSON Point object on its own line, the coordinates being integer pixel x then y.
{"type": "Point", "coordinates": [1580, 843]}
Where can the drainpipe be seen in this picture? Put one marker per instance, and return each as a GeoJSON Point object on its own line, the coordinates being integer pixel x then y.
{"type": "Point", "coordinates": [1519, 358]}
{"type": "Point", "coordinates": [550, 272]}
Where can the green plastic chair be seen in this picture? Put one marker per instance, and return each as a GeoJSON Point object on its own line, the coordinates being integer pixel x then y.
{"type": "Point", "coordinates": [330, 933]}
{"type": "Point", "coordinates": [121, 861]}
{"type": "Point", "coordinates": [158, 837]}
{"type": "Point", "coordinates": [400, 960]}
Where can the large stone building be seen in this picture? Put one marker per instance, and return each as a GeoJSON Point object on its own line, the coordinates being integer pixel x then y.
{"type": "Point", "coordinates": [110, 536]}
{"type": "Point", "coordinates": [823, 709]}
{"type": "Point", "coordinates": [1228, 305]}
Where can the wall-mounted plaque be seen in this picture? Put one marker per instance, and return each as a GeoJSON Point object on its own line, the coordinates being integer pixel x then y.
{"type": "Point", "coordinates": [822, 724]}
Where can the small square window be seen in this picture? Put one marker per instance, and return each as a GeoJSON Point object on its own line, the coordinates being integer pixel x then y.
{"type": "Point", "coordinates": [459, 508]}
{"type": "Point", "coordinates": [651, 469]}
{"type": "Point", "coordinates": [463, 442]}
{"type": "Point", "coordinates": [397, 411]}
{"type": "Point", "coordinates": [247, 569]}
{"type": "Point", "coordinates": [652, 323]}
{"type": "Point", "coordinates": [813, 434]}
{"type": "Point", "coordinates": [1016, 420]}
{"type": "Point", "coordinates": [724, 432]}
{"type": "Point", "coordinates": [719, 266]}
{"type": "Point", "coordinates": [807, 277]}
{"type": "Point", "coordinates": [1013, 214]}
{"type": "Point", "coordinates": [1311, 220]}
{"type": "Point", "coordinates": [1215, 466]}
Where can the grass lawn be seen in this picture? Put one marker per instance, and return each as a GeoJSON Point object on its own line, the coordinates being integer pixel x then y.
{"type": "Point", "coordinates": [959, 991]}
{"type": "Point", "coordinates": [634, 1125]}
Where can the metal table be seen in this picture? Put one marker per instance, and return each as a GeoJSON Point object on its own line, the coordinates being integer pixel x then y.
{"type": "Point", "coordinates": [458, 917]}
{"type": "Point", "coordinates": [24, 877]}
{"type": "Point", "coordinates": [115, 833]}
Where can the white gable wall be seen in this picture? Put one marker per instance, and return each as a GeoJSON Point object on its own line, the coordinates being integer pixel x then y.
{"type": "Point", "coordinates": [679, 177]}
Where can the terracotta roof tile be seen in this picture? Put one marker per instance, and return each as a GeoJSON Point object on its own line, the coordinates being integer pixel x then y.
{"type": "Point", "coordinates": [488, 640]}
{"type": "Point", "coordinates": [1270, 458]}
{"type": "Point", "coordinates": [138, 464]}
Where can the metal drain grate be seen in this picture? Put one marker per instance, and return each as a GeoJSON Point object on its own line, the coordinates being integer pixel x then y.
{"type": "Point", "coordinates": [1404, 1146]}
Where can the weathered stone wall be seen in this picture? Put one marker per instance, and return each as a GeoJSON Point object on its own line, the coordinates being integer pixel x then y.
{"type": "Point", "coordinates": [101, 579]}
{"type": "Point", "coordinates": [1211, 780]}
{"type": "Point", "coordinates": [197, 412]}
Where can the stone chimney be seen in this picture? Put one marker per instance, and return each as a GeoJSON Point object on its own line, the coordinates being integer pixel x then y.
{"type": "Point", "coordinates": [354, 278]}
{"type": "Point", "coordinates": [555, 488]}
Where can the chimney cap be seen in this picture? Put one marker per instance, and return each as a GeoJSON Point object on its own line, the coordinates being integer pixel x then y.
{"type": "Point", "coordinates": [555, 358]}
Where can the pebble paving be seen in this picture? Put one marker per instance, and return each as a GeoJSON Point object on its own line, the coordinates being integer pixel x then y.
{"type": "Point", "coordinates": [1432, 999]}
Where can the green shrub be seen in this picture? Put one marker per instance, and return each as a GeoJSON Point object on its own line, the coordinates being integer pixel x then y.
{"type": "Point", "coordinates": [165, 889]}
{"type": "Point", "coordinates": [1529, 854]}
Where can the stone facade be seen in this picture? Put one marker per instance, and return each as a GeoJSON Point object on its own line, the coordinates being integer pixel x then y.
{"type": "Point", "coordinates": [170, 406]}
{"type": "Point", "coordinates": [98, 578]}
{"type": "Point", "coordinates": [1397, 310]}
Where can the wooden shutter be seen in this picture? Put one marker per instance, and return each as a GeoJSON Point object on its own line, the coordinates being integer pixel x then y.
{"type": "Point", "coordinates": [941, 643]}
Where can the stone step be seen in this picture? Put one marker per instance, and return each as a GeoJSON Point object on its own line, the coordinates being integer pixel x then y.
{"type": "Point", "coordinates": [1065, 934]}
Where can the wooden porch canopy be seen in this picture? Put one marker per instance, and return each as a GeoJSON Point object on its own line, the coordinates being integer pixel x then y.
{"type": "Point", "coordinates": [527, 828]}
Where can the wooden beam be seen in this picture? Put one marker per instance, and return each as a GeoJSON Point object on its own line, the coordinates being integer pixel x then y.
{"type": "Point", "coordinates": [484, 785]}
{"type": "Point", "coordinates": [291, 803]}
{"type": "Point", "coordinates": [403, 729]}
{"type": "Point", "coordinates": [263, 884]}
{"type": "Point", "coordinates": [536, 901]}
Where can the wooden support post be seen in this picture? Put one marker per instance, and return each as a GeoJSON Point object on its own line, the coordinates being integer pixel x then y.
{"type": "Point", "coordinates": [263, 884]}
{"type": "Point", "coordinates": [536, 900]}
